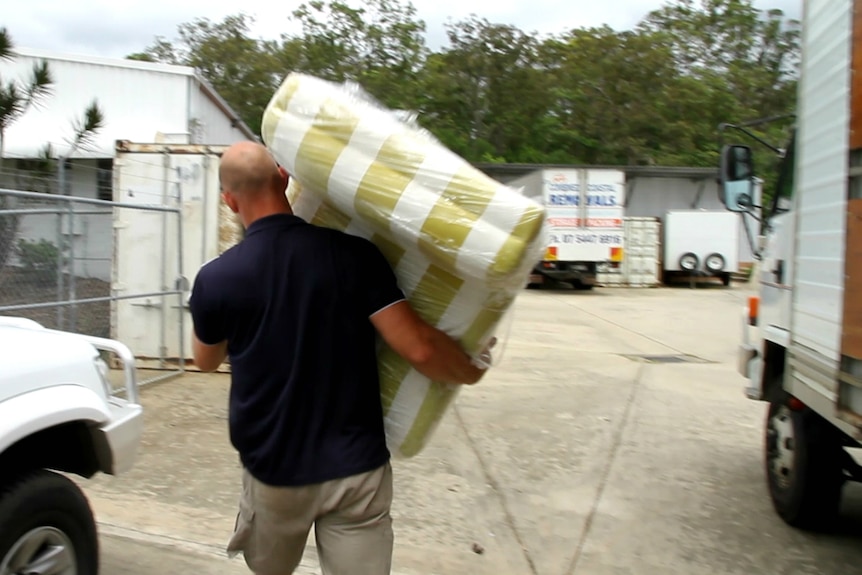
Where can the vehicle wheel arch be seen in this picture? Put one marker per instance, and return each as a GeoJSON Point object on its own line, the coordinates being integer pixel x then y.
{"type": "Point", "coordinates": [67, 447]}
{"type": "Point", "coordinates": [774, 356]}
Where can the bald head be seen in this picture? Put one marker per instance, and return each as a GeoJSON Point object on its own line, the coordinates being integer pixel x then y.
{"type": "Point", "coordinates": [248, 168]}
{"type": "Point", "coordinates": [253, 185]}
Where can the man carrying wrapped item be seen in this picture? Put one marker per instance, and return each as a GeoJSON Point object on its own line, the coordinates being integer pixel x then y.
{"type": "Point", "coordinates": [460, 243]}
{"type": "Point", "coordinates": [296, 307]}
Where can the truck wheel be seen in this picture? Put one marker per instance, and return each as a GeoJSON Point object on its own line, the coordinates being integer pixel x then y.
{"type": "Point", "coordinates": [804, 467]}
{"type": "Point", "coordinates": [46, 527]}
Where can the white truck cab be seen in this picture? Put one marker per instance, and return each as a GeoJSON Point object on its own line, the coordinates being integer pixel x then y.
{"type": "Point", "coordinates": [59, 415]}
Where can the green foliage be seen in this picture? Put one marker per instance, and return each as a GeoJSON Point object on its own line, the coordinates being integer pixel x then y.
{"type": "Point", "coordinates": [85, 127]}
{"type": "Point", "coordinates": [6, 47]}
{"type": "Point", "coordinates": [485, 93]}
{"type": "Point", "coordinates": [654, 95]}
{"type": "Point", "coordinates": [15, 97]}
{"type": "Point", "coordinates": [38, 256]}
{"type": "Point", "coordinates": [8, 232]}
{"type": "Point", "coordinates": [141, 57]}
{"type": "Point", "coordinates": [380, 45]}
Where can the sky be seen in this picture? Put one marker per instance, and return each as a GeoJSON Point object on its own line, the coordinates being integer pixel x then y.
{"type": "Point", "coordinates": [109, 28]}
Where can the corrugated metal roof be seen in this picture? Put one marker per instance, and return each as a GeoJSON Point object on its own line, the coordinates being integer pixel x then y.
{"type": "Point", "coordinates": [515, 170]}
{"type": "Point", "coordinates": [110, 62]}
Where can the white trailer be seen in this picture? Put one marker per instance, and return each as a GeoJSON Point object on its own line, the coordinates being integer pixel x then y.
{"type": "Point", "coordinates": [701, 243]}
{"type": "Point", "coordinates": [802, 337]}
{"type": "Point", "coordinates": [585, 209]}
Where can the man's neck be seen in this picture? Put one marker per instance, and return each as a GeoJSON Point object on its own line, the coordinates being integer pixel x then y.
{"type": "Point", "coordinates": [262, 211]}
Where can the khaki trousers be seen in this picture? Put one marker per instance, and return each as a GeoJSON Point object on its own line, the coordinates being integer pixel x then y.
{"type": "Point", "coordinates": [350, 516]}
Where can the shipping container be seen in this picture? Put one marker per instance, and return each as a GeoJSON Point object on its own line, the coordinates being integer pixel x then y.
{"type": "Point", "coordinates": [156, 251]}
{"type": "Point", "coordinates": [641, 265]}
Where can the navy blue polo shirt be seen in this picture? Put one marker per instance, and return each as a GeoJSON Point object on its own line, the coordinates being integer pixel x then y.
{"type": "Point", "coordinates": [293, 301]}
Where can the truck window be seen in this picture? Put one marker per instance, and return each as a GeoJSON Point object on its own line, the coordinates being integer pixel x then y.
{"type": "Point", "coordinates": [784, 186]}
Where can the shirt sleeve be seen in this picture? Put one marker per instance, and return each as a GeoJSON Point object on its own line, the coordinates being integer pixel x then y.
{"type": "Point", "coordinates": [381, 291]}
{"type": "Point", "coordinates": [206, 312]}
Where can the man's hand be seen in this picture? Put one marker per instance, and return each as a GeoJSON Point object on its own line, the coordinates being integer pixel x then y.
{"type": "Point", "coordinates": [484, 360]}
{"type": "Point", "coordinates": [208, 357]}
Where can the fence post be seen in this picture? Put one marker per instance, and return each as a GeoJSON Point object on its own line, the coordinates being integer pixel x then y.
{"type": "Point", "coordinates": [181, 284]}
{"type": "Point", "coordinates": [60, 252]}
{"type": "Point", "coordinates": [73, 308]}
{"type": "Point", "coordinates": [164, 259]}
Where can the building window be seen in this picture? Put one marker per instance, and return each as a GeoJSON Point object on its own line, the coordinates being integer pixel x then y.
{"type": "Point", "coordinates": [31, 174]}
{"type": "Point", "coordinates": [105, 179]}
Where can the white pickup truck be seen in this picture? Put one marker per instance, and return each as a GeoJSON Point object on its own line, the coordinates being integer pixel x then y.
{"type": "Point", "coordinates": [59, 415]}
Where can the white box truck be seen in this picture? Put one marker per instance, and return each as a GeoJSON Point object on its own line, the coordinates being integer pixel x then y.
{"type": "Point", "coordinates": [700, 243]}
{"type": "Point", "coordinates": [585, 209]}
{"type": "Point", "coordinates": [801, 349]}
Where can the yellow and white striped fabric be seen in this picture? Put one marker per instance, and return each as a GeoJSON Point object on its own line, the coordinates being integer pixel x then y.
{"type": "Point", "coordinates": [460, 243]}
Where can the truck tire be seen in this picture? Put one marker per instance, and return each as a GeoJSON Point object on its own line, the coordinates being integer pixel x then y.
{"type": "Point", "coordinates": [804, 467]}
{"type": "Point", "coordinates": [46, 526]}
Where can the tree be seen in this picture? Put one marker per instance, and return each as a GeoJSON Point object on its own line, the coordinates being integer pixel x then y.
{"type": "Point", "coordinates": [651, 95]}
{"type": "Point", "coordinates": [381, 46]}
{"type": "Point", "coordinates": [484, 95]}
{"type": "Point", "coordinates": [740, 62]}
{"type": "Point", "coordinates": [750, 55]}
{"type": "Point", "coordinates": [17, 98]}
{"type": "Point", "coordinates": [609, 93]}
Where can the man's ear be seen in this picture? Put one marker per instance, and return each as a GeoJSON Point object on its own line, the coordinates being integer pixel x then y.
{"type": "Point", "coordinates": [285, 177]}
{"type": "Point", "coordinates": [231, 202]}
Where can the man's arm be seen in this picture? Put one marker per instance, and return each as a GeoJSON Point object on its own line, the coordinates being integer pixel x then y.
{"type": "Point", "coordinates": [208, 357]}
{"type": "Point", "coordinates": [432, 352]}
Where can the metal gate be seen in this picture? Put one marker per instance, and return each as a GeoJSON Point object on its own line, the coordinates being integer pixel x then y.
{"type": "Point", "coordinates": [59, 263]}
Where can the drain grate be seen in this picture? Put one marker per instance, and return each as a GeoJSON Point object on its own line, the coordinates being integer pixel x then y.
{"type": "Point", "coordinates": [675, 358]}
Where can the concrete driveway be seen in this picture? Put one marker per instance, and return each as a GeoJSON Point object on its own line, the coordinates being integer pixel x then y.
{"type": "Point", "coordinates": [612, 438]}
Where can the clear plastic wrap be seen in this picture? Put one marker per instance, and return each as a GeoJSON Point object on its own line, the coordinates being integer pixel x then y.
{"type": "Point", "coordinates": [461, 244]}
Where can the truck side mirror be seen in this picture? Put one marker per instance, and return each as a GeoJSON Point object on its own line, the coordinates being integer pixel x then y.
{"type": "Point", "coordinates": [736, 178]}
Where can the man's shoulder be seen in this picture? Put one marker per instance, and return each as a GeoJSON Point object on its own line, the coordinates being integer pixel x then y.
{"type": "Point", "coordinates": [220, 264]}
{"type": "Point", "coordinates": [343, 240]}
{"type": "Point", "coordinates": [353, 241]}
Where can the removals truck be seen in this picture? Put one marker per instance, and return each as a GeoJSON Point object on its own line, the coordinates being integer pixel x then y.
{"type": "Point", "coordinates": [585, 209]}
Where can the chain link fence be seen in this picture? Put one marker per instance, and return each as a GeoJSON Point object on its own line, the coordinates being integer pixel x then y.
{"type": "Point", "coordinates": [60, 265]}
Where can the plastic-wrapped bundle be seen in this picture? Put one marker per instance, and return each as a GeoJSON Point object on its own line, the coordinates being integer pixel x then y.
{"type": "Point", "coordinates": [460, 243]}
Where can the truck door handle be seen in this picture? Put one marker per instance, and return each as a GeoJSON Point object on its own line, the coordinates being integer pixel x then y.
{"type": "Point", "coordinates": [779, 271]}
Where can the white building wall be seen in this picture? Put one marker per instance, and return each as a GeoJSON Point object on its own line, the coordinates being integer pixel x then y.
{"type": "Point", "coordinates": [137, 99]}
{"type": "Point", "coordinates": [654, 197]}
{"type": "Point", "coordinates": [141, 102]}
{"type": "Point", "coordinates": [211, 124]}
